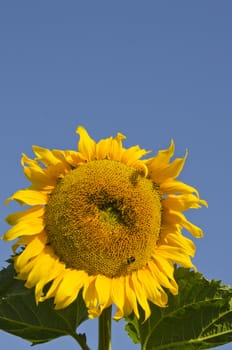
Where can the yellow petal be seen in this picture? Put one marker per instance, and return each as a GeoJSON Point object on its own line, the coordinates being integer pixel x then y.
{"type": "Point", "coordinates": [178, 240]}
{"type": "Point", "coordinates": [23, 241]}
{"type": "Point", "coordinates": [176, 187]}
{"type": "Point", "coordinates": [176, 255]}
{"type": "Point", "coordinates": [133, 154]}
{"type": "Point", "coordinates": [103, 148]}
{"type": "Point", "coordinates": [162, 277]}
{"type": "Point", "coordinates": [24, 228]}
{"type": "Point", "coordinates": [131, 297]}
{"type": "Point", "coordinates": [34, 172]}
{"type": "Point", "coordinates": [163, 264]}
{"type": "Point", "coordinates": [45, 155]}
{"type": "Point", "coordinates": [118, 296]}
{"type": "Point", "coordinates": [171, 171]}
{"type": "Point", "coordinates": [117, 149]}
{"type": "Point", "coordinates": [28, 214]}
{"type": "Point", "coordinates": [44, 268]}
{"type": "Point", "coordinates": [33, 249]}
{"type": "Point", "coordinates": [183, 202]}
{"type": "Point", "coordinates": [194, 229]}
{"type": "Point", "coordinates": [172, 217]}
{"type": "Point", "coordinates": [52, 271]}
{"type": "Point", "coordinates": [140, 293]}
{"type": "Point", "coordinates": [74, 158]}
{"type": "Point", "coordinates": [90, 297]}
{"type": "Point", "coordinates": [103, 287]}
{"type": "Point", "coordinates": [25, 270]}
{"type": "Point", "coordinates": [54, 286]}
{"type": "Point", "coordinates": [39, 269]}
{"type": "Point", "coordinates": [69, 287]}
{"type": "Point", "coordinates": [29, 197]}
{"type": "Point", "coordinates": [154, 291]}
{"type": "Point", "coordinates": [86, 145]}
{"type": "Point", "coordinates": [161, 159]}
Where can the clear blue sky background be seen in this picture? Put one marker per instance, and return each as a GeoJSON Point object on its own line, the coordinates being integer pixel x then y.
{"type": "Point", "coordinates": [154, 70]}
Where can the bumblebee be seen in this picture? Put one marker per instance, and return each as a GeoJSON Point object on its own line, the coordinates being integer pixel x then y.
{"type": "Point", "coordinates": [131, 260]}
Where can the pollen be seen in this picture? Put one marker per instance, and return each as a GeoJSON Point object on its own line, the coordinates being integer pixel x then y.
{"type": "Point", "coordinates": [104, 217]}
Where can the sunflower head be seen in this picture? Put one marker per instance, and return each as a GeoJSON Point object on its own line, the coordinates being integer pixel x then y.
{"type": "Point", "coordinates": [103, 220]}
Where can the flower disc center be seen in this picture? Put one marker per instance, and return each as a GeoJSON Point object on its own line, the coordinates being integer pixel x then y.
{"type": "Point", "coordinates": [104, 217]}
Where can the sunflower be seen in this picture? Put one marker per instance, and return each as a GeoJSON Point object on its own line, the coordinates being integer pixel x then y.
{"type": "Point", "coordinates": [103, 221]}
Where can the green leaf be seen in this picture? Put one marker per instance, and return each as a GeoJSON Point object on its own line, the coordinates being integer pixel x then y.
{"type": "Point", "coordinates": [199, 317]}
{"type": "Point", "coordinates": [132, 328]}
{"type": "Point", "coordinates": [19, 314]}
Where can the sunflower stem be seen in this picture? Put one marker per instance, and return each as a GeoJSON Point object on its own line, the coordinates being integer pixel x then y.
{"type": "Point", "coordinates": [104, 330]}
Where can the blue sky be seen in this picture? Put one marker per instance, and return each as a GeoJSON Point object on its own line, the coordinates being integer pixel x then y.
{"type": "Point", "coordinates": [154, 70]}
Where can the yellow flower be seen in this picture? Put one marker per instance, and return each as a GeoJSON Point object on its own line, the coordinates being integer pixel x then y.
{"type": "Point", "coordinates": [104, 221]}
